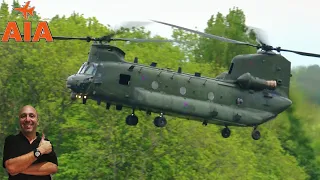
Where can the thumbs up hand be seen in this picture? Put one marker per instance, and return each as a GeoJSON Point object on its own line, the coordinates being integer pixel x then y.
{"type": "Point", "coordinates": [42, 139]}
{"type": "Point", "coordinates": [44, 147]}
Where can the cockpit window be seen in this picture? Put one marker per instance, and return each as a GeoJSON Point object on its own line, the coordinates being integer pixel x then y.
{"type": "Point", "coordinates": [89, 69]}
{"type": "Point", "coordinates": [81, 68]}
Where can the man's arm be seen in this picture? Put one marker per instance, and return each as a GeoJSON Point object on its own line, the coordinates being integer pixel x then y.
{"type": "Point", "coordinates": [41, 169]}
{"type": "Point", "coordinates": [14, 164]}
{"type": "Point", "coordinates": [48, 165]}
{"type": "Point", "coordinates": [18, 164]}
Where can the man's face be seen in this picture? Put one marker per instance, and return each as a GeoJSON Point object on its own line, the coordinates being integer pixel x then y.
{"type": "Point", "coordinates": [28, 119]}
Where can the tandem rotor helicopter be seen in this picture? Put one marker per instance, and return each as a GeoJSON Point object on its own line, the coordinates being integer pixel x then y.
{"type": "Point", "coordinates": [245, 96]}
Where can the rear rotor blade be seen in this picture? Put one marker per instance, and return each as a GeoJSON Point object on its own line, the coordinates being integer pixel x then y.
{"type": "Point", "coordinates": [207, 35]}
{"type": "Point", "coordinates": [142, 40]}
{"type": "Point", "coordinates": [299, 52]}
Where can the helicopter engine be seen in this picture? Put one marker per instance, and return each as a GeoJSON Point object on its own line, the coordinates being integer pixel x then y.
{"type": "Point", "coordinates": [248, 81]}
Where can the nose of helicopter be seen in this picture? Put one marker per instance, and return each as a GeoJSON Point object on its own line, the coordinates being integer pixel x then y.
{"type": "Point", "coordinates": [78, 83]}
{"type": "Point", "coordinates": [70, 82]}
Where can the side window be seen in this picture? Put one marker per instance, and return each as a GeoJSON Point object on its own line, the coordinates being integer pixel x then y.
{"type": "Point", "coordinates": [230, 69]}
{"type": "Point", "coordinates": [124, 79]}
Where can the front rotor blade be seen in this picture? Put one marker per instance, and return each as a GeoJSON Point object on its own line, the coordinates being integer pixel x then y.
{"type": "Point", "coordinates": [70, 38]}
{"type": "Point", "coordinates": [261, 35]}
{"type": "Point", "coordinates": [143, 40]}
{"type": "Point", "coordinates": [299, 52]}
{"type": "Point", "coordinates": [63, 37]}
{"type": "Point", "coordinates": [207, 35]}
{"type": "Point", "coordinates": [88, 38]}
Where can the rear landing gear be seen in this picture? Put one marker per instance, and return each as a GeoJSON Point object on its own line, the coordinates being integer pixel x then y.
{"type": "Point", "coordinates": [255, 134]}
{"type": "Point", "coordinates": [225, 132]}
{"type": "Point", "coordinates": [160, 121]}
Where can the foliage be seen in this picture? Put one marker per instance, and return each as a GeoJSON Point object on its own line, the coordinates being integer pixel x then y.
{"type": "Point", "coordinates": [95, 143]}
{"type": "Point", "coordinates": [308, 81]}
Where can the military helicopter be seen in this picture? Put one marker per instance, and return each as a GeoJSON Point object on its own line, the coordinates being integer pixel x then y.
{"type": "Point", "coordinates": [245, 96]}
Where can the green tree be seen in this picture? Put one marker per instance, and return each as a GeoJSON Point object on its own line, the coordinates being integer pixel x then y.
{"type": "Point", "coordinates": [95, 143]}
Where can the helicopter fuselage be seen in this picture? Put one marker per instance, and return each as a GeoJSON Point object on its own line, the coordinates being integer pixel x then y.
{"type": "Point", "coordinates": [179, 94]}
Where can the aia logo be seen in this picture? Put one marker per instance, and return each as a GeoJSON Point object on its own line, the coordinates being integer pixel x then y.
{"type": "Point", "coordinates": [12, 30]}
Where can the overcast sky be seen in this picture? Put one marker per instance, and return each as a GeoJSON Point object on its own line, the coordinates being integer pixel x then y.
{"type": "Point", "coordinates": [290, 24]}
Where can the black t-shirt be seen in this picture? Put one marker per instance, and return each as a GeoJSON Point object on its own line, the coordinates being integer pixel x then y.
{"type": "Point", "coordinates": [17, 145]}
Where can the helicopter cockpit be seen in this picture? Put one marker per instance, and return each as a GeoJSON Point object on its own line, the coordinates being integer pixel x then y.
{"type": "Point", "coordinates": [88, 68]}
{"type": "Point", "coordinates": [80, 82]}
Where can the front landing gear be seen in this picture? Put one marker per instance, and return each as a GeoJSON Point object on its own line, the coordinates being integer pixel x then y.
{"type": "Point", "coordinates": [132, 120]}
{"type": "Point", "coordinates": [225, 132]}
{"type": "Point", "coordinates": [160, 121]}
{"type": "Point", "coordinates": [205, 123]}
{"type": "Point", "coordinates": [255, 134]}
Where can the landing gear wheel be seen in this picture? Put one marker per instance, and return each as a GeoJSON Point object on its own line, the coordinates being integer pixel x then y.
{"type": "Point", "coordinates": [160, 121]}
{"type": "Point", "coordinates": [255, 134]}
{"type": "Point", "coordinates": [225, 132]}
{"type": "Point", "coordinates": [205, 123]}
{"type": "Point", "coordinates": [132, 120]}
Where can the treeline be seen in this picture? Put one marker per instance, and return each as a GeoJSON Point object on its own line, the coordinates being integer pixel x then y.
{"type": "Point", "coordinates": [95, 143]}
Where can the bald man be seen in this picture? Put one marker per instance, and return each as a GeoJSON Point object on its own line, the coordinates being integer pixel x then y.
{"type": "Point", "coordinates": [28, 155]}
